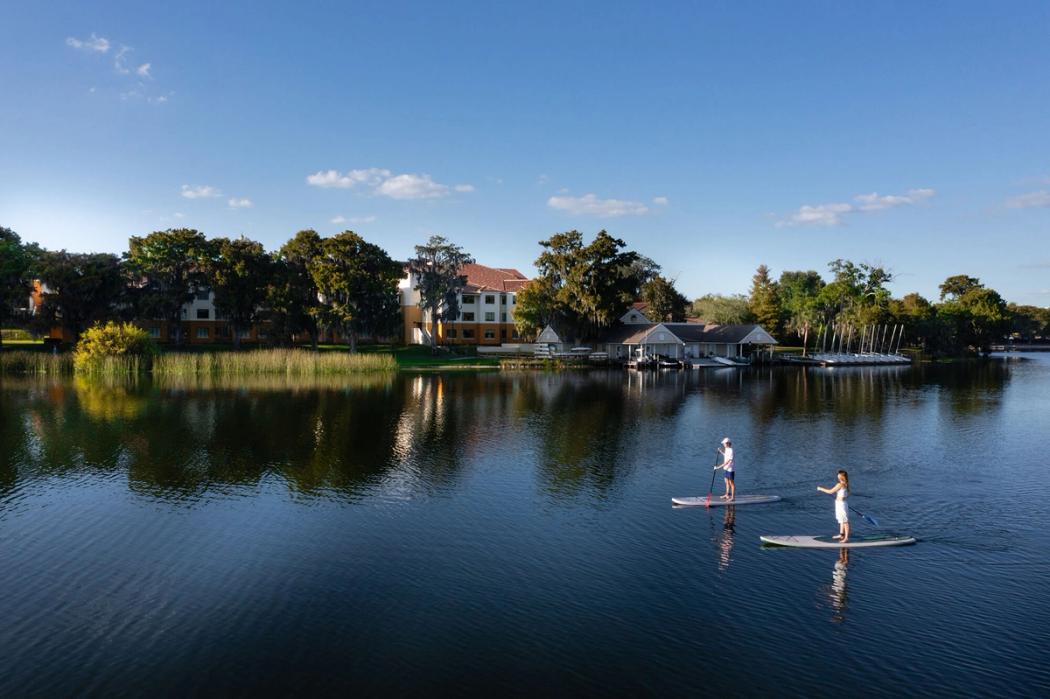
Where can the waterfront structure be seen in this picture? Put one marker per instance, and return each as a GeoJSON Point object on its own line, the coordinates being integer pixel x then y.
{"type": "Point", "coordinates": [681, 341]}
{"type": "Point", "coordinates": [486, 309]}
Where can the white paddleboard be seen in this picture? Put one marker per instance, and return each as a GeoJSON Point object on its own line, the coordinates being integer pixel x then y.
{"type": "Point", "coordinates": [717, 501]}
{"type": "Point", "coordinates": [827, 542]}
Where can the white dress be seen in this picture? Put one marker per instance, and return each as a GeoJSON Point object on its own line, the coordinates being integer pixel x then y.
{"type": "Point", "coordinates": [841, 511]}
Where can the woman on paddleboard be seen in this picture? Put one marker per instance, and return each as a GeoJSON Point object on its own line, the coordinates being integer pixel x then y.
{"type": "Point", "coordinates": [841, 491]}
{"type": "Point", "coordinates": [726, 450]}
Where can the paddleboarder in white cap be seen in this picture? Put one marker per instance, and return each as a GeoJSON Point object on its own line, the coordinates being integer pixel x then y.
{"type": "Point", "coordinates": [726, 450]}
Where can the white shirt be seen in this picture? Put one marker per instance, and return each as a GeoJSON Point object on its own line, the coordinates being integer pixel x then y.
{"type": "Point", "coordinates": [727, 456]}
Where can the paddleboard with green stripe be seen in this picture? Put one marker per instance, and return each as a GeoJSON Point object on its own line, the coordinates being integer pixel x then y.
{"type": "Point", "coordinates": [828, 542]}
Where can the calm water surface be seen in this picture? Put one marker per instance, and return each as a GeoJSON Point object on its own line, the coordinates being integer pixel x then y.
{"type": "Point", "coordinates": [514, 534]}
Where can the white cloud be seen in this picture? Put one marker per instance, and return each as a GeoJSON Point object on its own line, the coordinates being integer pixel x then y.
{"type": "Point", "coordinates": [328, 179]}
{"type": "Point", "coordinates": [353, 219]}
{"type": "Point", "coordinates": [383, 182]}
{"type": "Point", "coordinates": [411, 186]}
{"type": "Point", "coordinates": [119, 62]}
{"type": "Point", "coordinates": [833, 214]}
{"type": "Point", "coordinates": [819, 215]}
{"type": "Point", "coordinates": [591, 205]}
{"type": "Point", "coordinates": [1030, 201]}
{"type": "Point", "coordinates": [95, 44]}
{"type": "Point", "coordinates": [243, 203]}
{"type": "Point", "coordinates": [200, 191]}
{"type": "Point", "coordinates": [179, 214]}
{"type": "Point", "coordinates": [143, 70]}
{"type": "Point", "coordinates": [543, 179]}
{"type": "Point", "coordinates": [661, 201]}
{"type": "Point", "coordinates": [874, 202]}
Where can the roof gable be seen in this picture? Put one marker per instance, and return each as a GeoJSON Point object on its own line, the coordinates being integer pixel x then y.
{"type": "Point", "coordinates": [482, 278]}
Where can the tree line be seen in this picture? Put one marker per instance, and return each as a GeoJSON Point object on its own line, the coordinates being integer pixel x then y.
{"type": "Point", "coordinates": [342, 282]}
{"type": "Point", "coordinates": [968, 317]}
{"type": "Point", "coordinates": [347, 284]}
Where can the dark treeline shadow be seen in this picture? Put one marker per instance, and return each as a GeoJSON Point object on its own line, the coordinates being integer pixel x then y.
{"type": "Point", "coordinates": [581, 422]}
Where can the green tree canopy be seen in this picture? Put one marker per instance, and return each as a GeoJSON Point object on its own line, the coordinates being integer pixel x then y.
{"type": "Point", "coordinates": [764, 302]}
{"type": "Point", "coordinates": [293, 302]}
{"type": "Point", "coordinates": [167, 267]}
{"type": "Point", "coordinates": [437, 268]}
{"type": "Point", "coordinates": [593, 284]}
{"type": "Point", "coordinates": [239, 272]}
{"type": "Point", "coordinates": [723, 310]}
{"type": "Point", "coordinates": [1029, 322]}
{"type": "Point", "coordinates": [80, 288]}
{"type": "Point", "coordinates": [665, 302]}
{"type": "Point", "coordinates": [956, 287]}
{"type": "Point", "coordinates": [357, 282]}
{"type": "Point", "coordinates": [16, 261]}
{"type": "Point", "coordinates": [535, 308]}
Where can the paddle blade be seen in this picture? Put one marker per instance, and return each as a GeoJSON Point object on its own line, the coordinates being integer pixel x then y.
{"type": "Point", "coordinates": [707, 502]}
{"type": "Point", "coordinates": [871, 520]}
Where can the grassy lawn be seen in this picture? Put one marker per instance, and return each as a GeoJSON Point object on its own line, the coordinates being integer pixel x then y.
{"type": "Point", "coordinates": [419, 357]}
{"type": "Point", "coordinates": [23, 344]}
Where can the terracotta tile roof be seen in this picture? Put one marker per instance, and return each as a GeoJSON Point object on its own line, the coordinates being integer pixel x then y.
{"type": "Point", "coordinates": [482, 278]}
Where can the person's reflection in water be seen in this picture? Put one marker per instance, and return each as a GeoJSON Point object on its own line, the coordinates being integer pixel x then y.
{"type": "Point", "coordinates": [725, 538]}
{"type": "Point", "coordinates": [837, 590]}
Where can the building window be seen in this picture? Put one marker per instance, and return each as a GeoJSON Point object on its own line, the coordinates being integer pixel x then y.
{"type": "Point", "coordinates": [468, 298]}
{"type": "Point", "coordinates": [490, 334]}
{"type": "Point", "coordinates": [490, 317]}
{"type": "Point", "coordinates": [222, 331]}
{"type": "Point", "coordinates": [490, 298]}
{"type": "Point", "coordinates": [245, 334]}
{"type": "Point", "coordinates": [514, 333]}
{"type": "Point", "coordinates": [512, 299]}
{"type": "Point", "coordinates": [202, 314]}
{"type": "Point", "coordinates": [503, 333]}
{"type": "Point", "coordinates": [154, 332]}
{"type": "Point", "coordinates": [468, 334]}
{"type": "Point", "coordinates": [451, 333]}
{"type": "Point", "coordinates": [503, 299]}
{"type": "Point", "coordinates": [503, 317]}
{"type": "Point", "coordinates": [469, 317]}
{"type": "Point", "coordinates": [203, 294]}
{"type": "Point", "coordinates": [202, 333]}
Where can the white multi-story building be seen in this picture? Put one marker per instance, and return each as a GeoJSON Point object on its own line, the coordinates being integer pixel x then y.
{"type": "Point", "coordinates": [486, 309]}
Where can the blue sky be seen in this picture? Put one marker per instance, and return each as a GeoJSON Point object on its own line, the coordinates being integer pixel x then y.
{"type": "Point", "coordinates": [710, 136]}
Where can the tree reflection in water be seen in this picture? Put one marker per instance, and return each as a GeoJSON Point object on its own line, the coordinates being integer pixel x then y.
{"type": "Point", "coordinates": [337, 437]}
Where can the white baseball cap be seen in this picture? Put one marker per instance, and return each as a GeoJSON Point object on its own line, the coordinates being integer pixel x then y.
{"type": "Point", "coordinates": [725, 440]}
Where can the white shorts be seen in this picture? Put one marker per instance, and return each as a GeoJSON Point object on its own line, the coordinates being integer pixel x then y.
{"type": "Point", "coordinates": [841, 511]}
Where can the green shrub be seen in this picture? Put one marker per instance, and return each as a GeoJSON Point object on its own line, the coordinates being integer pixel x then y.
{"type": "Point", "coordinates": [114, 347]}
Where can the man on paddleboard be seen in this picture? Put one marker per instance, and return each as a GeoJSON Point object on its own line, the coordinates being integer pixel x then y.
{"type": "Point", "coordinates": [726, 450]}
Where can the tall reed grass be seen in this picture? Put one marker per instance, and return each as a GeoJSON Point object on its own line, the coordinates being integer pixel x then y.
{"type": "Point", "coordinates": [16, 362]}
{"type": "Point", "coordinates": [269, 362]}
{"type": "Point", "coordinates": [287, 362]}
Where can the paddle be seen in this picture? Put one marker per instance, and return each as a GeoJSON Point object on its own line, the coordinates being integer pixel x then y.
{"type": "Point", "coordinates": [871, 520]}
{"type": "Point", "coordinates": [710, 490]}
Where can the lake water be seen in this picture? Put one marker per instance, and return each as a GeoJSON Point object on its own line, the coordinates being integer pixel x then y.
{"type": "Point", "coordinates": [513, 534]}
